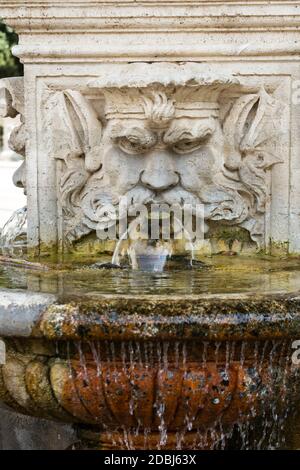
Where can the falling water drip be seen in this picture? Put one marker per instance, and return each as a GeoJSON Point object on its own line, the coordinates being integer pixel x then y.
{"type": "Point", "coordinates": [69, 361]}
{"type": "Point", "coordinates": [147, 431]}
{"type": "Point", "coordinates": [107, 352]}
{"type": "Point", "coordinates": [227, 357]}
{"type": "Point", "coordinates": [96, 353]}
{"type": "Point", "coordinates": [165, 355]}
{"type": "Point", "coordinates": [266, 343]}
{"type": "Point", "coordinates": [123, 356]}
{"type": "Point", "coordinates": [256, 345]}
{"type": "Point", "coordinates": [132, 399]}
{"type": "Point", "coordinates": [131, 375]}
{"type": "Point", "coordinates": [217, 347]}
{"type": "Point", "coordinates": [264, 434]}
{"type": "Point", "coordinates": [146, 355]}
{"type": "Point", "coordinates": [122, 442]}
{"type": "Point", "coordinates": [189, 420]}
{"type": "Point", "coordinates": [162, 426]}
{"type": "Point", "coordinates": [184, 355]}
{"type": "Point", "coordinates": [176, 346]}
{"type": "Point", "coordinates": [130, 440]}
{"type": "Point", "coordinates": [282, 355]}
{"type": "Point", "coordinates": [244, 434]}
{"type": "Point", "coordinates": [198, 440]}
{"type": "Point", "coordinates": [71, 374]}
{"type": "Point", "coordinates": [138, 353]}
{"type": "Point", "coordinates": [232, 351]}
{"type": "Point", "coordinates": [110, 435]}
{"type": "Point", "coordinates": [287, 369]}
{"type": "Point", "coordinates": [96, 356]}
{"type": "Point", "coordinates": [138, 427]}
{"type": "Point", "coordinates": [204, 353]}
{"type": "Point", "coordinates": [213, 438]}
{"type": "Point", "coordinates": [242, 357]}
{"type": "Point", "coordinates": [131, 404]}
{"type": "Point", "coordinates": [179, 439]}
{"type": "Point", "coordinates": [159, 357]}
{"type": "Point", "coordinates": [82, 362]}
{"type": "Point", "coordinates": [189, 417]}
{"type": "Point", "coordinates": [205, 439]}
{"type": "Point", "coordinates": [159, 404]}
{"type": "Point", "coordinates": [126, 439]}
{"type": "Point", "coordinates": [222, 435]}
{"type": "Point", "coordinates": [116, 255]}
{"type": "Point", "coordinates": [189, 238]}
{"type": "Point", "coordinates": [113, 355]}
{"type": "Point", "coordinates": [129, 372]}
{"type": "Point", "coordinates": [272, 353]}
{"type": "Point", "coordinates": [151, 354]}
{"type": "Point", "coordinates": [131, 356]}
{"type": "Point", "coordinates": [194, 445]}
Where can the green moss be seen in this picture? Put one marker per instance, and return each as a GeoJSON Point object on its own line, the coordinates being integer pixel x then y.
{"type": "Point", "coordinates": [230, 234]}
{"type": "Point", "coordinates": [279, 248]}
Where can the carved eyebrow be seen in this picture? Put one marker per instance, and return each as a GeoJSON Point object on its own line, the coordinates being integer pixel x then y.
{"type": "Point", "coordinates": [186, 133]}
{"type": "Point", "coordinates": [141, 135]}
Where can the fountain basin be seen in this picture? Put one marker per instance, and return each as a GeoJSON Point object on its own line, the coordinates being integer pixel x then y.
{"type": "Point", "coordinates": [160, 103]}
{"type": "Point", "coordinates": [154, 372]}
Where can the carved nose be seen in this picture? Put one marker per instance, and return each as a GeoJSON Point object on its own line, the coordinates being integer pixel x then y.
{"type": "Point", "coordinates": [159, 173]}
{"type": "Point", "coordinates": [19, 178]}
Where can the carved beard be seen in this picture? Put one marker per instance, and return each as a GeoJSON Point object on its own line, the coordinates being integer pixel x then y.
{"type": "Point", "coordinates": [219, 203]}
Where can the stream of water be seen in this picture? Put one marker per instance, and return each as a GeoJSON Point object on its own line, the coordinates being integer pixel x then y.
{"type": "Point", "coordinates": [245, 405]}
{"type": "Point", "coordinates": [13, 236]}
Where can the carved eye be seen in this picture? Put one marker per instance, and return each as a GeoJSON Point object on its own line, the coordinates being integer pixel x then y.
{"type": "Point", "coordinates": [132, 145]}
{"type": "Point", "coordinates": [187, 146]}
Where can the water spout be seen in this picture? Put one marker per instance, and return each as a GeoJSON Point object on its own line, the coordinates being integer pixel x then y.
{"type": "Point", "coordinates": [14, 233]}
{"type": "Point", "coordinates": [150, 256]}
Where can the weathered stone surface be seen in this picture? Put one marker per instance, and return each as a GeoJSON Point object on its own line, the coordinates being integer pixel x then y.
{"type": "Point", "coordinates": [80, 96]}
{"type": "Point", "coordinates": [19, 310]}
{"type": "Point", "coordinates": [172, 317]}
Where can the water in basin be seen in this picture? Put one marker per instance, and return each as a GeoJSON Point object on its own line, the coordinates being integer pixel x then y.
{"type": "Point", "coordinates": [215, 275]}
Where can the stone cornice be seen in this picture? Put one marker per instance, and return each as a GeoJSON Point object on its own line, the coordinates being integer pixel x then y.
{"type": "Point", "coordinates": [173, 23]}
{"type": "Point", "coordinates": [149, 52]}
{"type": "Point", "coordinates": [110, 15]}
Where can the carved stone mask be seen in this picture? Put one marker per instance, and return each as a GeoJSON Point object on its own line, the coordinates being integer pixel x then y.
{"type": "Point", "coordinates": [160, 147]}
{"type": "Point", "coordinates": [165, 144]}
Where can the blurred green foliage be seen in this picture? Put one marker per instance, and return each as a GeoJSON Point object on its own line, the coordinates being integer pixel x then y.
{"type": "Point", "coordinates": [9, 65]}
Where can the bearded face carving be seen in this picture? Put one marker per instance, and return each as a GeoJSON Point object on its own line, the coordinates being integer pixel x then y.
{"type": "Point", "coordinates": [164, 144]}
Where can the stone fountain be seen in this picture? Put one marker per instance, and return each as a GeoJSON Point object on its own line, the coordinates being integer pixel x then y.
{"type": "Point", "coordinates": [163, 103]}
